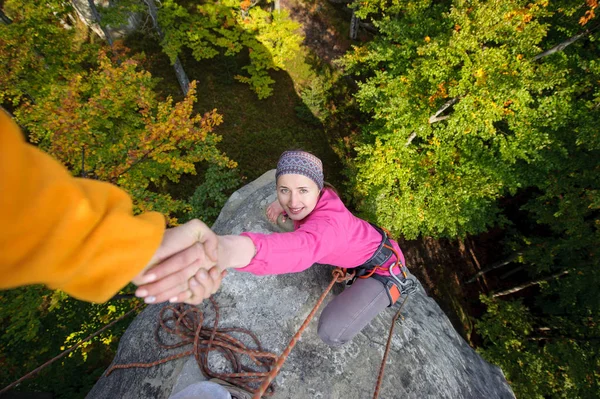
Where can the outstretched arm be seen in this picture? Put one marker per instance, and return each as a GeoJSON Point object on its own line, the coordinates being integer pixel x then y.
{"type": "Point", "coordinates": [77, 235]}
{"type": "Point", "coordinates": [80, 235]}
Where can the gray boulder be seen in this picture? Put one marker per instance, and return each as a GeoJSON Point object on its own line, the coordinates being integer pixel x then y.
{"type": "Point", "coordinates": [428, 358]}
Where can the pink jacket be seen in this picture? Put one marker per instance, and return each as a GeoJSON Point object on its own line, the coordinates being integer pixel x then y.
{"type": "Point", "coordinates": [331, 235]}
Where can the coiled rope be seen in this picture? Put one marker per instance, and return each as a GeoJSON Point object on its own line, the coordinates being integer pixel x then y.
{"type": "Point", "coordinates": [187, 323]}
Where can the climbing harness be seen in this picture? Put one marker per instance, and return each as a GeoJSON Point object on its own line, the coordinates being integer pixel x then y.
{"type": "Point", "coordinates": [398, 283]}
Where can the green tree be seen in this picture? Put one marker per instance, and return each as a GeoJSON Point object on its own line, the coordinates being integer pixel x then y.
{"type": "Point", "coordinates": [210, 196]}
{"type": "Point", "coordinates": [458, 110]}
{"type": "Point", "coordinates": [228, 27]}
{"type": "Point", "coordinates": [542, 356]}
{"type": "Point", "coordinates": [469, 102]}
{"type": "Point", "coordinates": [38, 324]}
{"type": "Point", "coordinates": [39, 47]}
{"type": "Point", "coordinates": [109, 125]}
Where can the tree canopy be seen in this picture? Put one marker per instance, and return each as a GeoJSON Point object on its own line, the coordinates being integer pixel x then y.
{"type": "Point", "coordinates": [470, 115]}
{"type": "Point", "coordinates": [469, 103]}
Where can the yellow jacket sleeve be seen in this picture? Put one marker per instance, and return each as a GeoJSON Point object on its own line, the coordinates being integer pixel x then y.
{"type": "Point", "coordinates": [77, 235]}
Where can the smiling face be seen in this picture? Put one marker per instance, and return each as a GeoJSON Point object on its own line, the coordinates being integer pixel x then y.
{"type": "Point", "coordinates": [297, 194]}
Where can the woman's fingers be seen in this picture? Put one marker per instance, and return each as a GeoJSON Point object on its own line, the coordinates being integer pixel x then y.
{"type": "Point", "coordinates": [201, 286]}
{"type": "Point", "coordinates": [273, 211]}
{"type": "Point", "coordinates": [174, 292]}
{"type": "Point", "coordinates": [173, 265]}
{"type": "Point", "coordinates": [179, 238]}
{"type": "Point", "coordinates": [170, 286]}
{"type": "Point", "coordinates": [210, 282]}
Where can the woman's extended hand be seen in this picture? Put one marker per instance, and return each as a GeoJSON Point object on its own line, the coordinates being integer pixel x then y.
{"type": "Point", "coordinates": [274, 210]}
{"type": "Point", "coordinates": [180, 270]}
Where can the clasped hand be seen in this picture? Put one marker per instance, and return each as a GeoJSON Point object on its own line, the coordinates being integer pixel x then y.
{"type": "Point", "coordinates": [184, 268]}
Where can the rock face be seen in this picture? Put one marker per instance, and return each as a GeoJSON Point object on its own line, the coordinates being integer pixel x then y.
{"type": "Point", "coordinates": [428, 358]}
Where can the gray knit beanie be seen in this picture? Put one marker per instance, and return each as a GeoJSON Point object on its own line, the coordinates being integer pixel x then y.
{"type": "Point", "coordinates": [301, 163]}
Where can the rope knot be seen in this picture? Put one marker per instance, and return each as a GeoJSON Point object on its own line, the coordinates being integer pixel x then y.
{"type": "Point", "coordinates": [341, 275]}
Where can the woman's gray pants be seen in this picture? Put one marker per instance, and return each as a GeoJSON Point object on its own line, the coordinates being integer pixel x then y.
{"type": "Point", "coordinates": [349, 312]}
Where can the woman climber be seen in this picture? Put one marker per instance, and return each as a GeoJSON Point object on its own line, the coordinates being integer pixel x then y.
{"type": "Point", "coordinates": [325, 232]}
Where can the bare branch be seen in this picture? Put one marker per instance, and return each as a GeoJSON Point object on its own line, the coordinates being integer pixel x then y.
{"type": "Point", "coordinates": [495, 265]}
{"type": "Point", "coordinates": [369, 27]}
{"type": "Point", "coordinates": [529, 284]}
{"type": "Point", "coordinates": [436, 117]}
{"type": "Point", "coordinates": [565, 44]}
{"type": "Point", "coordinates": [5, 20]}
{"type": "Point", "coordinates": [511, 272]}
{"type": "Point", "coordinates": [98, 18]}
{"type": "Point", "coordinates": [410, 139]}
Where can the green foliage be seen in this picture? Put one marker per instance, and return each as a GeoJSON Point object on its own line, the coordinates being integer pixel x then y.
{"type": "Point", "coordinates": [460, 114]}
{"type": "Point", "coordinates": [560, 355]}
{"type": "Point", "coordinates": [210, 196]}
{"type": "Point", "coordinates": [112, 117]}
{"type": "Point", "coordinates": [38, 324]}
{"type": "Point", "coordinates": [227, 28]}
{"type": "Point", "coordinates": [314, 99]}
{"type": "Point", "coordinates": [117, 13]}
{"type": "Point", "coordinates": [432, 172]}
{"type": "Point", "coordinates": [36, 49]}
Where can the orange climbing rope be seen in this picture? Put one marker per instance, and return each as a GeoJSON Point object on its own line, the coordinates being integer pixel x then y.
{"type": "Point", "coordinates": [187, 323]}
{"type": "Point", "coordinates": [387, 350]}
{"type": "Point", "coordinates": [339, 275]}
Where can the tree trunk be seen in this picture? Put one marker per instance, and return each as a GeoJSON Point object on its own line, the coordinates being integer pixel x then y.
{"type": "Point", "coordinates": [97, 19]}
{"type": "Point", "coordinates": [354, 25]}
{"type": "Point", "coordinates": [495, 266]}
{"type": "Point", "coordinates": [529, 284]}
{"type": "Point", "coordinates": [182, 78]}
{"type": "Point", "coordinates": [5, 20]}
{"type": "Point", "coordinates": [87, 12]}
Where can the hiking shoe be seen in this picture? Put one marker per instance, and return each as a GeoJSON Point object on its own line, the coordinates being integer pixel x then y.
{"type": "Point", "coordinates": [235, 391]}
